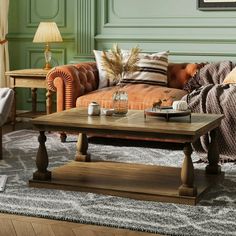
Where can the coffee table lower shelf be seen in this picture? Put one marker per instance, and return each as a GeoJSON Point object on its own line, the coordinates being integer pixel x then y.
{"type": "Point", "coordinates": [137, 181]}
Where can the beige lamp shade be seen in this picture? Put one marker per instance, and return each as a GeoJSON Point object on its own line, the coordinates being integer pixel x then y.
{"type": "Point", "coordinates": [47, 32]}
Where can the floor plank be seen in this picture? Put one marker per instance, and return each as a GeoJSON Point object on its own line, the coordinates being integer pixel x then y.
{"type": "Point", "coordinates": [62, 231]}
{"type": "Point", "coordinates": [16, 225]}
{"type": "Point", "coordinates": [6, 228]}
{"type": "Point", "coordinates": [43, 229]}
{"type": "Point", "coordinates": [90, 232]}
{"type": "Point", "coordinates": [23, 228]}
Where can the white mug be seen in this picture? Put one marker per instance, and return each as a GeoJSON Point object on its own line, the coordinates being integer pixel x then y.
{"type": "Point", "coordinates": [93, 109]}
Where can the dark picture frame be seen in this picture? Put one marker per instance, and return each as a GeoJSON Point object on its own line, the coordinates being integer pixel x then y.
{"type": "Point", "coordinates": [216, 5]}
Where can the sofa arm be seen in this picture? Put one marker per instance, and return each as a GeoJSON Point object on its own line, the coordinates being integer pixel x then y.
{"type": "Point", "coordinates": [72, 81]}
{"type": "Point", "coordinates": [180, 73]}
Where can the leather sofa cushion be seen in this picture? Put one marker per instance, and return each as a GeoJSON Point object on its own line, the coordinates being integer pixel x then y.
{"type": "Point", "coordinates": [179, 74]}
{"type": "Point", "coordinates": [141, 96]}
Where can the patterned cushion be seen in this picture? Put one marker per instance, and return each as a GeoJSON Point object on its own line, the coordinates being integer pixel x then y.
{"type": "Point", "coordinates": [153, 70]}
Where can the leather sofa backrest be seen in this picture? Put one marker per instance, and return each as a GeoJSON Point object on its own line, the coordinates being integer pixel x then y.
{"type": "Point", "coordinates": [177, 75]}
{"type": "Point", "coordinates": [180, 73]}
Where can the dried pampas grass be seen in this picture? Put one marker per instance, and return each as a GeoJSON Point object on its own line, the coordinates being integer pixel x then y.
{"type": "Point", "coordinates": [117, 66]}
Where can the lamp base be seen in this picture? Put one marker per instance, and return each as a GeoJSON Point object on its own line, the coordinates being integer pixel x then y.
{"type": "Point", "coordinates": [47, 66]}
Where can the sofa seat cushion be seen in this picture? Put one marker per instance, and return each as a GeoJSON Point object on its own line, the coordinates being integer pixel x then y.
{"type": "Point", "coordinates": [141, 96]}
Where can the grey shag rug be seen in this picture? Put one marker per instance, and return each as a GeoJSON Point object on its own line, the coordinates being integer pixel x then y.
{"type": "Point", "coordinates": [214, 215]}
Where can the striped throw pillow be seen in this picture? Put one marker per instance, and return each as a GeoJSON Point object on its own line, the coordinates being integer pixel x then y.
{"type": "Point", "coordinates": [152, 70]}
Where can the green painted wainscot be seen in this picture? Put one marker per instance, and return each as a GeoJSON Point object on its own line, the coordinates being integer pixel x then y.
{"type": "Point", "coordinates": [155, 25]}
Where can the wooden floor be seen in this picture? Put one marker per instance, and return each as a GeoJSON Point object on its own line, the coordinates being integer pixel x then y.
{"type": "Point", "coordinates": [15, 225]}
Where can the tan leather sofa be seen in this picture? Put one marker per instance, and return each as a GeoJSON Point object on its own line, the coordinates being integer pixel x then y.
{"type": "Point", "coordinates": [76, 86]}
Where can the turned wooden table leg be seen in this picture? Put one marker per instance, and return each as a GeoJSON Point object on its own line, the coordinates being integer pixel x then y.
{"type": "Point", "coordinates": [213, 155]}
{"type": "Point", "coordinates": [82, 147]}
{"type": "Point", "coordinates": [63, 137]}
{"type": "Point", "coordinates": [49, 102]}
{"type": "Point", "coordinates": [187, 174]}
{"type": "Point", "coordinates": [13, 121]}
{"type": "Point", "coordinates": [42, 160]}
{"type": "Point", "coordinates": [34, 99]}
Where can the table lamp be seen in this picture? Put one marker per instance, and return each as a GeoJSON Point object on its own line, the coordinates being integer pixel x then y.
{"type": "Point", "coordinates": [47, 32]}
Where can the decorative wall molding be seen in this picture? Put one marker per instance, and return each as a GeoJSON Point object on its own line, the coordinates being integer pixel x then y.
{"type": "Point", "coordinates": [189, 35]}
{"type": "Point", "coordinates": [170, 39]}
{"type": "Point", "coordinates": [85, 28]}
{"type": "Point", "coordinates": [29, 37]}
{"type": "Point", "coordinates": [113, 18]}
{"type": "Point", "coordinates": [165, 25]}
{"type": "Point", "coordinates": [36, 12]}
{"type": "Point", "coordinates": [207, 54]}
{"type": "Point", "coordinates": [51, 14]}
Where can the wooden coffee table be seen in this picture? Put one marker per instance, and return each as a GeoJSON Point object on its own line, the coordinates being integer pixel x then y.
{"type": "Point", "coordinates": [149, 182]}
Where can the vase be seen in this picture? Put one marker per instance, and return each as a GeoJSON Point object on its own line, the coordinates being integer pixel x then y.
{"type": "Point", "coordinates": [120, 102]}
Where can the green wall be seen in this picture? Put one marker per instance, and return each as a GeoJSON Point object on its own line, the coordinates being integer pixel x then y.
{"type": "Point", "coordinates": [154, 25]}
{"type": "Point", "coordinates": [177, 26]}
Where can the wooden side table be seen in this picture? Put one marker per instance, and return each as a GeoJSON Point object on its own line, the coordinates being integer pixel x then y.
{"type": "Point", "coordinates": [33, 79]}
